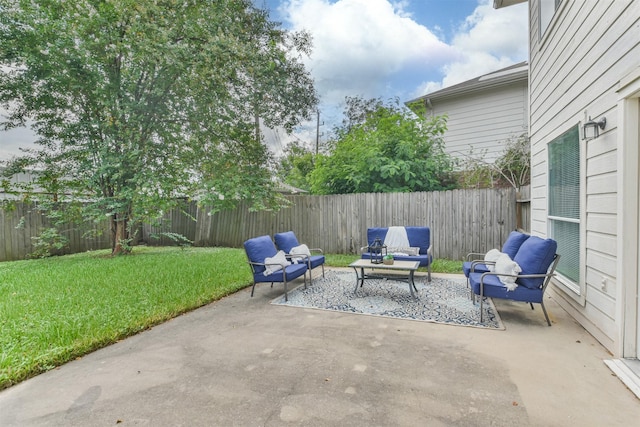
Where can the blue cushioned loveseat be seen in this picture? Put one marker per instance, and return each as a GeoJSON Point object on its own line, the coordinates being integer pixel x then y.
{"type": "Point", "coordinates": [537, 259]}
{"type": "Point", "coordinates": [419, 237]}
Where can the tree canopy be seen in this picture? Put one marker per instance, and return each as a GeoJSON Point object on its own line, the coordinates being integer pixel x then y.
{"type": "Point", "coordinates": [295, 165]}
{"type": "Point", "coordinates": [137, 103]}
{"type": "Point", "coordinates": [383, 147]}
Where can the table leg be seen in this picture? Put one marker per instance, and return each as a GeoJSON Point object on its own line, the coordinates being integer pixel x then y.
{"type": "Point", "coordinates": [359, 279]}
{"type": "Point", "coordinates": [412, 284]}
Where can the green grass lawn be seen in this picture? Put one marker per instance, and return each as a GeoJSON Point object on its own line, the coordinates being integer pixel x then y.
{"type": "Point", "coordinates": [56, 309]}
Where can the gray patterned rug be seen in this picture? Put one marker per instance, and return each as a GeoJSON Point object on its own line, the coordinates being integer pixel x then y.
{"type": "Point", "coordinates": [443, 300]}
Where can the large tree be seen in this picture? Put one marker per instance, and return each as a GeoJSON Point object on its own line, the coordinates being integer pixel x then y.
{"type": "Point", "coordinates": [383, 147]}
{"type": "Point", "coordinates": [295, 165]}
{"type": "Point", "coordinates": [138, 103]}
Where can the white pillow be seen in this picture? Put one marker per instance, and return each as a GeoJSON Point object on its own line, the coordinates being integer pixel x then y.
{"type": "Point", "coordinates": [404, 250]}
{"type": "Point", "coordinates": [505, 265]}
{"type": "Point", "coordinates": [302, 250]}
{"type": "Point", "coordinates": [279, 261]}
{"type": "Point", "coordinates": [492, 256]}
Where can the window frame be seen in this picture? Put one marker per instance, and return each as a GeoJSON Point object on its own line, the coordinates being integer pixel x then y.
{"type": "Point", "coordinates": [572, 288]}
{"type": "Point", "coordinates": [557, 6]}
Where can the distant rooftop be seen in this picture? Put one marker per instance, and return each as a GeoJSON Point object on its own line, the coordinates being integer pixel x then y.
{"type": "Point", "coordinates": [515, 72]}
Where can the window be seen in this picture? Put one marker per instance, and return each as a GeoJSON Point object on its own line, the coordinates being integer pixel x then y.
{"type": "Point", "coordinates": [546, 10]}
{"type": "Point", "coordinates": [564, 201]}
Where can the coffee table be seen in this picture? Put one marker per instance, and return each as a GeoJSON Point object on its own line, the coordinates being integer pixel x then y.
{"type": "Point", "coordinates": [408, 267]}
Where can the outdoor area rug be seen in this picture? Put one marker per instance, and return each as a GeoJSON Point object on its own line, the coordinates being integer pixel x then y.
{"type": "Point", "coordinates": [443, 300]}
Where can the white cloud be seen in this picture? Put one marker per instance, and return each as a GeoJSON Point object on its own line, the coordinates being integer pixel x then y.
{"type": "Point", "coordinates": [488, 40]}
{"type": "Point", "coordinates": [424, 88]}
{"type": "Point", "coordinates": [359, 44]}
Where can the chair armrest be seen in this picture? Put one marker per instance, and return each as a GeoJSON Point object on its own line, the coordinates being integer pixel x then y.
{"type": "Point", "coordinates": [256, 263]}
{"type": "Point", "coordinates": [478, 261]}
{"type": "Point", "coordinates": [520, 276]}
{"type": "Point", "coordinates": [299, 257]}
{"type": "Point", "coordinates": [475, 254]}
{"type": "Point", "coordinates": [316, 250]}
{"type": "Point", "coordinates": [251, 263]}
{"type": "Point", "coordinates": [289, 256]}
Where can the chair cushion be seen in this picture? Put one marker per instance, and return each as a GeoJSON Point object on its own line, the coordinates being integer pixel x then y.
{"type": "Point", "coordinates": [513, 243]}
{"type": "Point", "coordinates": [494, 288]}
{"type": "Point", "coordinates": [376, 232]}
{"type": "Point", "coordinates": [316, 260]}
{"type": "Point", "coordinates": [286, 241]}
{"type": "Point", "coordinates": [258, 249]}
{"type": "Point", "coordinates": [293, 271]}
{"type": "Point", "coordinates": [419, 237]}
{"type": "Point", "coordinates": [534, 257]}
{"type": "Point", "coordinates": [478, 268]}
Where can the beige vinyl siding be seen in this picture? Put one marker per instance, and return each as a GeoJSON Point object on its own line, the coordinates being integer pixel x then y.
{"type": "Point", "coordinates": [575, 70]}
{"type": "Point", "coordinates": [484, 119]}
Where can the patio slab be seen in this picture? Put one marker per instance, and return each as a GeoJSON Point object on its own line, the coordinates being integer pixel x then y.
{"type": "Point", "coordinates": [245, 362]}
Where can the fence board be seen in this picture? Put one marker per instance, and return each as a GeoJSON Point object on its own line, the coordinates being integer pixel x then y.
{"type": "Point", "coordinates": [461, 221]}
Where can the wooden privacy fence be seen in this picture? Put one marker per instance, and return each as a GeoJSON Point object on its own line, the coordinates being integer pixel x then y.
{"type": "Point", "coordinates": [24, 221]}
{"type": "Point", "coordinates": [461, 221]}
{"type": "Point", "coordinates": [523, 208]}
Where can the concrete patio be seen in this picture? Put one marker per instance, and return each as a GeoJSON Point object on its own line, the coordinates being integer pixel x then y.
{"type": "Point", "coordinates": [244, 362]}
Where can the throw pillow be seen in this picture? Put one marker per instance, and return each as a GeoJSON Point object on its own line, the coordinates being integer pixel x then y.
{"type": "Point", "coordinates": [302, 251]}
{"type": "Point", "coordinates": [404, 251]}
{"type": "Point", "coordinates": [275, 263]}
{"type": "Point", "coordinates": [491, 257]}
{"type": "Point", "coordinates": [505, 265]}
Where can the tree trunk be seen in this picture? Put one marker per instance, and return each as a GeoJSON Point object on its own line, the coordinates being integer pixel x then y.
{"type": "Point", "coordinates": [119, 236]}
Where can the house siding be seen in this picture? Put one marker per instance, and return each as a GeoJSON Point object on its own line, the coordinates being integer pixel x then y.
{"type": "Point", "coordinates": [480, 122]}
{"type": "Point", "coordinates": [575, 70]}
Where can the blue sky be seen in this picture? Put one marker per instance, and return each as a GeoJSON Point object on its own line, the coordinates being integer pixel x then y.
{"type": "Point", "coordinates": [398, 48]}
{"type": "Point", "coordinates": [385, 49]}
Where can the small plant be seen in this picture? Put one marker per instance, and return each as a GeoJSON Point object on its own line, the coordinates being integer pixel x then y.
{"type": "Point", "coordinates": [49, 240]}
{"type": "Point", "coordinates": [512, 168]}
{"type": "Point", "coordinates": [177, 238]}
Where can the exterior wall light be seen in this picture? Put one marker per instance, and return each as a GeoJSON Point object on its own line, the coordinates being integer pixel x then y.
{"type": "Point", "coordinates": [592, 128]}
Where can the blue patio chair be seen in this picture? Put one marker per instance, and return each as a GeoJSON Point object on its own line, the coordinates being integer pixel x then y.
{"type": "Point", "coordinates": [475, 260]}
{"type": "Point", "coordinates": [538, 259]}
{"type": "Point", "coordinates": [258, 249]}
{"type": "Point", "coordinates": [287, 241]}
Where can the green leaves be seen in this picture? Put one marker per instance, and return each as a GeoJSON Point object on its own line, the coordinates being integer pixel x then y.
{"type": "Point", "coordinates": [383, 148]}
{"type": "Point", "coordinates": [139, 102]}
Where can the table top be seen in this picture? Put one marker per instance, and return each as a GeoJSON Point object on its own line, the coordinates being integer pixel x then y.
{"type": "Point", "coordinates": [397, 265]}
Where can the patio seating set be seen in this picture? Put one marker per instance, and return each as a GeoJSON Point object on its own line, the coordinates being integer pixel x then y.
{"type": "Point", "coordinates": [519, 271]}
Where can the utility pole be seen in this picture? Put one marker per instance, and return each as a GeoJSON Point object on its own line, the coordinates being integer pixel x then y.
{"type": "Point", "coordinates": [318, 131]}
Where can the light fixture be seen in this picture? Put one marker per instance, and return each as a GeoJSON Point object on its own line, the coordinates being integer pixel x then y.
{"type": "Point", "coordinates": [378, 251]}
{"type": "Point", "coordinates": [592, 128]}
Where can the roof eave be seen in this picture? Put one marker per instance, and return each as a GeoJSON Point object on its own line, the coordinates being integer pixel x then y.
{"type": "Point", "coordinates": [499, 4]}
{"type": "Point", "coordinates": [478, 84]}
